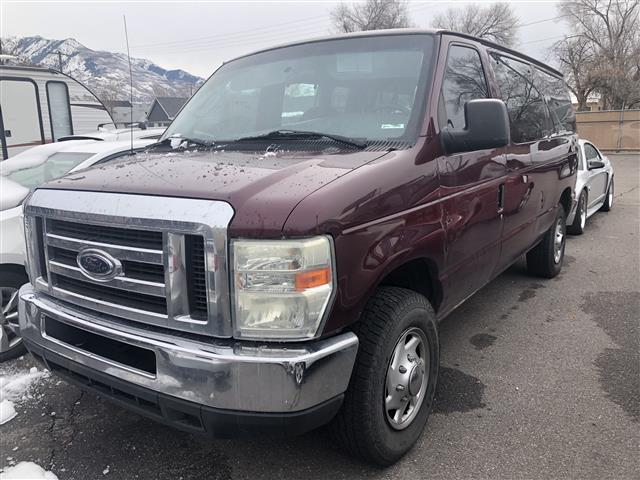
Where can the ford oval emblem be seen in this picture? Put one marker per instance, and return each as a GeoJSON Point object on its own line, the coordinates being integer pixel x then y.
{"type": "Point", "coordinates": [98, 265]}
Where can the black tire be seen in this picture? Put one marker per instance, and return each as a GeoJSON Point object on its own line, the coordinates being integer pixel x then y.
{"type": "Point", "coordinates": [541, 260]}
{"type": "Point", "coordinates": [608, 203]}
{"type": "Point", "coordinates": [580, 220]}
{"type": "Point", "coordinates": [11, 278]}
{"type": "Point", "coordinates": [361, 426]}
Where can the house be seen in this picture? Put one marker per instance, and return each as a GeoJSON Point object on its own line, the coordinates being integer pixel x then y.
{"type": "Point", "coordinates": [122, 113]}
{"type": "Point", "coordinates": [163, 110]}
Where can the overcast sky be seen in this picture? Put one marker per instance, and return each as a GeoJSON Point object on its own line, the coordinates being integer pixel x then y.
{"type": "Point", "coordinates": [199, 36]}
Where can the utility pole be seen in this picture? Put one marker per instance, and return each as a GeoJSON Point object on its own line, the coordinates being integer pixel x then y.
{"type": "Point", "coordinates": [60, 54]}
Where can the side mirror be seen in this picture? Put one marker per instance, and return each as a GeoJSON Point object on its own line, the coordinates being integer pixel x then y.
{"type": "Point", "coordinates": [593, 164]}
{"type": "Point", "coordinates": [487, 126]}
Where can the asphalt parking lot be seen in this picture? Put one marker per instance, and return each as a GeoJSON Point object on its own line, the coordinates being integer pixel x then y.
{"type": "Point", "coordinates": [540, 379]}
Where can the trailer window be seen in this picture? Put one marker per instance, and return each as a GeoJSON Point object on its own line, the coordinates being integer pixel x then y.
{"type": "Point", "coordinates": [59, 110]}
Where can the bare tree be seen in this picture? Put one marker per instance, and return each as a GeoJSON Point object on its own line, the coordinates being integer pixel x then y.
{"type": "Point", "coordinates": [610, 29]}
{"type": "Point", "coordinates": [496, 22]}
{"type": "Point", "coordinates": [577, 62]}
{"type": "Point", "coordinates": [371, 15]}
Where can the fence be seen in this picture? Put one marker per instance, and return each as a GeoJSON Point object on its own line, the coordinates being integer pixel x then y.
{"type": "Point", "coordinates": [612, 130]}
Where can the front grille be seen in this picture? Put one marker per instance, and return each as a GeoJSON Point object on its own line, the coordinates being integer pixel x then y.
{"type": "Point", "coordinates": [158, 262]}
{"type": "Point", "coordinates": [140, 293]}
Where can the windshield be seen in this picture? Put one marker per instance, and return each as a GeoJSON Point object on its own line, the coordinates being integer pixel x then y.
{"type": "Point", "coordinates": [370, 88]}
{"type": "Point", "coordinates": [55, 166]}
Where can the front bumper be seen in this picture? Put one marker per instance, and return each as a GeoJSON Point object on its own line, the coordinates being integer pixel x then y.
{"type": "Point", "coordinates": [225, 388]}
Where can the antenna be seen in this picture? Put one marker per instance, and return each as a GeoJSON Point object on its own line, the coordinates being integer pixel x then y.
{"type": "Point", "coordinates": [126, 36]}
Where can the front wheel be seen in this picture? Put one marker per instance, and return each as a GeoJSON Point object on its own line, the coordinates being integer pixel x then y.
{"type": "Point", "coordinates": [10, 341]}
{"type": "Point", "coordinates": [608, 203]}
{"type": "Point", "coordinates": [394, 379]}
{"type": "Point", "coordinates": [545, 259]}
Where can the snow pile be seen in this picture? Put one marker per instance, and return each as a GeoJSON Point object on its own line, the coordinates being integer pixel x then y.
{"type": "Point", "coordinates": [7, 411]}
{"type": "Point", "coordinates": [27, 470]}
{"type": "Point", "coordinates": [14, 387]}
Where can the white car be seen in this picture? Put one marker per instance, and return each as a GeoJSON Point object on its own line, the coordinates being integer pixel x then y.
{"type": "Point", "coordinates": [18, 176]}
{"type": "Point", "coordinates": [594, 186]}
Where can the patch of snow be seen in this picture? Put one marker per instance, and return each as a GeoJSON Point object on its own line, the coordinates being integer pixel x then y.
{"type": "Point", "coordinates": [14, 387]}
{"type": "Point", "coordinates": [7, 411]}
{"type": "Point", "coordinates": [27, 471]}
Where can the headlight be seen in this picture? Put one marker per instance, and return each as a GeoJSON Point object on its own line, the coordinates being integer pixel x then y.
{"type": "Point", "coordinates": [281, 288]}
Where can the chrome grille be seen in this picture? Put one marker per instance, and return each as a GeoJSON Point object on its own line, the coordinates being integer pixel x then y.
{"type": "Point", "coordinates": [164, 279]}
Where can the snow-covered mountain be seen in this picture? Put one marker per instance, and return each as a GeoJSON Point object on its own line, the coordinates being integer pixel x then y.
{"type": "Point", "coordinates": [106, 73]}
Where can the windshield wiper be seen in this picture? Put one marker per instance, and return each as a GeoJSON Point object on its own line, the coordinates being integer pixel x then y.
{"type": "Point", "coordinates": [284, 133]}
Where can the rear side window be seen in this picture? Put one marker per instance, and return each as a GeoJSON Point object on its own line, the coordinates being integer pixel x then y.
{"type": "Point", "coordinates": [463, 80]}
{"type": "Point", "coordinates": [556, 93]}
{"type": "Point", "coordinates": [528, 113]}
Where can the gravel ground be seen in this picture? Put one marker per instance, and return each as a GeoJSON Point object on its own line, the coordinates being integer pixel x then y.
{"type": "Point", "coordinates": [540, 379]}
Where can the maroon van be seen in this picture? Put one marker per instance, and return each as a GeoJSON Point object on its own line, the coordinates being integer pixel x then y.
{"type": "Point", "coordinates": [282, 257]}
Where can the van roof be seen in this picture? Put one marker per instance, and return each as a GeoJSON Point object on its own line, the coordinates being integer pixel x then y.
{"type": "Point", "coordinates": [407, 31]}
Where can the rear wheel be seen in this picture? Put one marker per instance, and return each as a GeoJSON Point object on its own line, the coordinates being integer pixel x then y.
{"type": "Point", "coordinates": [580, 220]}
{"type": "Point", "coordinates": [10, 342]}
{"type": "Point", "coordinates": [394, 379]}
{"type": "Point", "coordinates": [545, 259]}
{"type": "Point", "coordinates": [608, 203]}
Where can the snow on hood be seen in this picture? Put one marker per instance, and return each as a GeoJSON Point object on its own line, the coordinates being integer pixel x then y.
{"type": "Point", "coordinates": [11, 193]}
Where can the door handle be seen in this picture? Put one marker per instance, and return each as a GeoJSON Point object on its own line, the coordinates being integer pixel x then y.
{"type": "Point", "coordinates": [501, 198]}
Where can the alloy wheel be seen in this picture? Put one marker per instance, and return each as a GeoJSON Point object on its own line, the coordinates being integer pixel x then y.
{"type": "Point", "coordinates": [558, 242]}
{"type": "Point", "coordinates": [9, 328]}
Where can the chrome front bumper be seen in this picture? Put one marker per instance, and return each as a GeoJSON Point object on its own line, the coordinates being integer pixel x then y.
{"type": "Point", "coordinates": [231, 375]}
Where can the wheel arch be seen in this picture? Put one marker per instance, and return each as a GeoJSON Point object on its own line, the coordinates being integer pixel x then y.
{"type": "Point", "coordinates": [566, 200]}
{"type": "Point", "coordinates": [419, 275]}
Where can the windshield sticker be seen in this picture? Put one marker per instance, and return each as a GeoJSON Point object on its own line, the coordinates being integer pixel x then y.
{"type": "Point", "coordinates": [392, 125]}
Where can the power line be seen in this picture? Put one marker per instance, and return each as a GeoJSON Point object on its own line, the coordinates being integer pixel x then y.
{"type": "Point", "coordinates": [272, 37]}
{"type": "Point", "coordinates": [550, 38]}
{"type": "Point", "coordinates": [542, 21]}
{"type": "Point", "coordinates": [249, 32]}
{"type": "Point", "coordinates": [256, 33]}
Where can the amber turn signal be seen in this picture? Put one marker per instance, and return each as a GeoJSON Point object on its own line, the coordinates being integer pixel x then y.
{"type": "Point", "coordinates": [313, 278]}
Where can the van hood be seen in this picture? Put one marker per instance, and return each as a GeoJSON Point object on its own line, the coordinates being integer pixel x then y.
{"type": "Point", "coordinates": [262, 188]}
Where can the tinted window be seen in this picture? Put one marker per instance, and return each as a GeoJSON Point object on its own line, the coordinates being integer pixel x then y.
{"type": "Point", "coordinates": [463, 80]}
{"type": "Point", "coordinates": [590, 152]}
{"type": "Point", "coordinates": [528, 114]}
{"type": "Point", "coordinates": [556, 94]}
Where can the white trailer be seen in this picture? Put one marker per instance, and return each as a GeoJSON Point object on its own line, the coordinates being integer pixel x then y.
{"type": "Point", "coordinates": [41, 105]}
